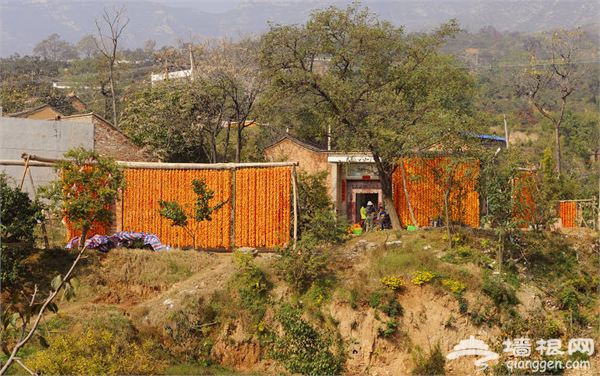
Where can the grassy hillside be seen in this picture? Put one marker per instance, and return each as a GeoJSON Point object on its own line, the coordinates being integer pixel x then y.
{"type": "Point", "coordinates": [385, 303]}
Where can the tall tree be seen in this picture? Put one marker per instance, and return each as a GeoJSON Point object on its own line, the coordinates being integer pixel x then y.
{"type": "Point", "coordinates": [384, 92]}
{"type": "Point", "coordinates": [164, 120]}
{"type": "Point", "coordinates": [108, 46]}
{"type": "Point", "coordinates": [233, 68]}
{"type": "Point", "coordinates": [87, 46]}
{"type": "Point", "coordinates": [554, 73]}
{"type": "Point", "coordinates": [55, 49]}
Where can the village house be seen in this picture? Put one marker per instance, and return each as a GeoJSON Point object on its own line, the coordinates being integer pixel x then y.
{"type": "Point", "coordinates": [110, 141]}
{"type": "Point", "coordinates": [352, 178]}
{"type": "Point", "coordinates": [43, 112]}
{"type": "Point", "coordinates": [51, 139]}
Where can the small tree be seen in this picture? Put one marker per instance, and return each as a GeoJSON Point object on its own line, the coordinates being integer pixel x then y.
{"type": "Point", "coordinates": [504, 187]}
{"type": "Point", "coordinates": [88, 185]}
{"type": "Point", "coordinates": [202, 211]}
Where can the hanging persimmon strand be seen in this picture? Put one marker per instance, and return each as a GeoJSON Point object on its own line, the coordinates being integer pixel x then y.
{"type": "Point", "coordinates": [426, 198]}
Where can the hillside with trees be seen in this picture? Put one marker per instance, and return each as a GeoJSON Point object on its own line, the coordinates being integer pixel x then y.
{"type": "Point", "coordinates": [333, 300]}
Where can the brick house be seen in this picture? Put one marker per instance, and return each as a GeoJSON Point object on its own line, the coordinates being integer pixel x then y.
{"type": "Point", "coordinates": [43, 112]}
{"type": "Point", "coordinates": [77, 103]}
{"type": "Point", "coordinates": [110, 141]}
{"type": "Point", "coordinates": [351, 177]}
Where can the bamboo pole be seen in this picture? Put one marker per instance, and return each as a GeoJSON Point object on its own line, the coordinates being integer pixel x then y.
{"type": "Point", "coordinates": [24, 173]}
{"type": "Point", "coordinates": [178, 166]}
{"type": "Point", "coordinates": [295, 192]}
{"type": "Point", "coordinates": [233, 193]}
{"type": "Point", "coordinates": [15, 162]}
{"type": "Point", "coordinates": [46, 243]}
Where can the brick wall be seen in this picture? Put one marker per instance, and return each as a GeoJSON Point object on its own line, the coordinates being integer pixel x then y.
{"type": "Point", "coordinates": [309, 161]}
{"type": "Point", "coordinates": [110, 142]}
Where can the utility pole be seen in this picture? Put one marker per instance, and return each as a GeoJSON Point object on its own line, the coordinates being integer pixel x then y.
{"type": "Point", "coordinates": [505, 131]}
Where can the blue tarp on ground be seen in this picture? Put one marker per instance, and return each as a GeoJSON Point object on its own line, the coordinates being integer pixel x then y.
{"type": "Point", "coordinates": [106, 243]}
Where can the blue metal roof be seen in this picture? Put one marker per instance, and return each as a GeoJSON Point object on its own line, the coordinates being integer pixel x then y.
{"type": "Point", "coordinates": [487, 137]}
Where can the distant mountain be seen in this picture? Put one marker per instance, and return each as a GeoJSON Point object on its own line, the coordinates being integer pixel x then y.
{"type": "Point", "coordinates": [25, 23]}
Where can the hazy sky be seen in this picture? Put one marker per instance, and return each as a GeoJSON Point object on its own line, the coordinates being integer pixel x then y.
{"type": "Point", "coordinates": [204, 5]}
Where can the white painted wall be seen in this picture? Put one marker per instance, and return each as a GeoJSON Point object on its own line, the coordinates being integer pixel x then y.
{"type": "Point", "coordinates": [43, 138]}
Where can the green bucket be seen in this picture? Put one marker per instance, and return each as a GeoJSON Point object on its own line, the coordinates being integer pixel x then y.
{"type": "Point", "coordinates": [358, 231]}
{"type": "Point", "coordinates": [411, 228]}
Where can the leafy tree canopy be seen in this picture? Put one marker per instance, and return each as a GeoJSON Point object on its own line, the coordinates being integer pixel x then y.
{"type": "Point", "coordinates": [383, 91]}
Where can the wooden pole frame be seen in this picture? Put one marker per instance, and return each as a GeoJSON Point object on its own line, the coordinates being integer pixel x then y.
{"type": "Point", "coordinates": [33, 160]}
{"type": "Point", "coordinates": [170, 166]}
{"type": "Point", "coordinates": [27, 171]}
{"type": "Point", "coordinates": [233, 196]}
{"type": "Point", "coordinates": [295, 193]}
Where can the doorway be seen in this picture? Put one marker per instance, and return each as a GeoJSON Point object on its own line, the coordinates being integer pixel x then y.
{"type": "Point", "coordinates": [362, 199]}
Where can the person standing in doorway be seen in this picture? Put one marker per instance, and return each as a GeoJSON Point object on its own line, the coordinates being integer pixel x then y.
{"type": "Point", "coordinates": [363, 216]}
{"type": "Point", "coordinates": [370, 216]}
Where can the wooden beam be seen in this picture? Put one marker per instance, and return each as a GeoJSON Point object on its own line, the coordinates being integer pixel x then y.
{"type": "Point", "coordinates": [24, 173]}
{"type": "Point", "coordinates": [177, 166]}
{"type": "Point", "coordinates": [295, 192]}
{"type": "Point", "coordinates": [232, 198]}
{"type": "Point", "coordinates": [203, 166]}
{"type": "Point", "coordinates": [18, 162]}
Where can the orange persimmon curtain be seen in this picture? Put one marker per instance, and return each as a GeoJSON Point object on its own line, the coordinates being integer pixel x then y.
{"type": "Point", "coordinates": [96, 229]}
{"type": "Point", "coordinates": [262, 207]}
{"type": "Point", "coordinates": [145, 187]}
{"type": "Point", "coordinates": [426, 197]}
{"type": "Point", "coordinates": [568, 214]}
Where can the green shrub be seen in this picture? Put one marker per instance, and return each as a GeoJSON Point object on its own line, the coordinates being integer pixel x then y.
{"type": "Point", "coordinates": [95, 352]}
{"type": "Point", "coordinates": [432, 364]}
{"type": "Point", "coordinates": [252, 284]}
{"type": "Point", "coordinates": [13, 264]}
{"type": "Point", "coordinates": [390, 329]}
{"type": "Point", "coordinates": [305, 350]}
{"type": "Point", "coordinates": [353, 298]}
{"type": "Point", "coordinates": [19, 214]}
{"type": "Point", "coordinates": [463, 304]}
{"type": "Point", "coordinates": [392, 308]}
{"type": "Point", "coordinates": [301, 268]}
{"type": "Point", "coordinates": [385, 300]}
{"type": "Point", "coordinates": [319, 224]}
{"type": "Point", "coordinates": [568, 297]}
{"type": "Point", "coordinates": [502, 295]}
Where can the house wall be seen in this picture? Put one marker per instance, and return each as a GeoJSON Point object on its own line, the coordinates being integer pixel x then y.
{"type": "Point", "coordinates": [309, 161]}
{"type": "Point", "coordinates": [40, 137]}
{"type": "Point", "coordinates": [77, 104]}
{"type": "Point", "coordinates": [110, 142]}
